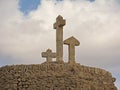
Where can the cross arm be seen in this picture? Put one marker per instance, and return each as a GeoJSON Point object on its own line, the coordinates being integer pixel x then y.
{"type": "Point", "coordinates": [44, 54]}
{"type": "Point", "coordinates": [53, 55]}
{"type": "Point", "coordinates": [72, 41]}
{"type": "Point", "coordinates": [60, 22]}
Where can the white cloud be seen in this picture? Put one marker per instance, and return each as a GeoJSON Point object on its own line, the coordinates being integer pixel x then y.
{"type": "Point", "coordinates": [95, 25]}
{"type": "Point", "coordinates": [118, 85]}
{"type": "Point", "coordinates": [116, 73]}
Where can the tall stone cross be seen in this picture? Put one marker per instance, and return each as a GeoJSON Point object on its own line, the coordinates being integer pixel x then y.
{"type": "Point", "coordinates": [71, 42]}
{"type": "Point", "coordinates": [48, 55]}
{"type": "Point", "coordinates": [58, 25]}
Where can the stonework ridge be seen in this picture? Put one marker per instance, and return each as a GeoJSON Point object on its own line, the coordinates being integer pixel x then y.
{"type": "Point", "coordinates": [58, 25]}
{"type": "Point", "coordinates": [54, 75]}
{"type": "Point", "coordinates": [48, 55]}
{"type": "Point", "coordinates": [71, 42]}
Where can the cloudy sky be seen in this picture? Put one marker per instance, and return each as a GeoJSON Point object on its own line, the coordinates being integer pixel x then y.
{"type": "Point", "coordinates": [26, 30]}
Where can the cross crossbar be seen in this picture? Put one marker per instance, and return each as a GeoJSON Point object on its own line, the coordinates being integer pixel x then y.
{"type": "Point", "coordinates": [48, 55]}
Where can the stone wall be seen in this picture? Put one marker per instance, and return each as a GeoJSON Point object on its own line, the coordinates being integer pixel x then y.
{"type": "Point", "coordinates": [55, 76]}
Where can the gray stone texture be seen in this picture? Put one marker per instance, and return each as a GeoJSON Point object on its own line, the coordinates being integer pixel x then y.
{"type": "Point", "coordinates": [48, 55]}
{"type": "Point", "coordinates": [71, 42]}
{"type": "Point", "coordinates": [58, 25]}
{"type": "Point", "coordinates": [55, 76]}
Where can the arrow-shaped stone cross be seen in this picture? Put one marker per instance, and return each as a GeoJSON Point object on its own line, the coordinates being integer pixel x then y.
{"type": "Point", "coordinates": [71, 42]}
{"type": "Point", "coordinates": [48, 55]}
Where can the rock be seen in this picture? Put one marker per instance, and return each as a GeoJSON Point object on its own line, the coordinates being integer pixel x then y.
{"type": "Point", "coordinates": [55, 76]}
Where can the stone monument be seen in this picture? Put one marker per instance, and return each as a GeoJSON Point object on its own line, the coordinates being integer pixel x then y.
{"type": "Point", "coordinates": [48, 55]}
{"type": "Point", "coordinates": [60, 22]}
{"type": "Point", "coordinates": [56, 75]}
{"type": "Point", "coordinates": [71, 42]}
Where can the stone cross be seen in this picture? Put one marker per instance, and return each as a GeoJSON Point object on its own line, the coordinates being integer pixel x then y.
{"type": "Point", "coordinates": [71, 42]}
{"type": "Point", "coordinates": [58, 25]}
{"type": "Point", "coordinates": [48, 55]}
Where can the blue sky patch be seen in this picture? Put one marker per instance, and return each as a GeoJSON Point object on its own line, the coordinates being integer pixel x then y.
{"type": "Point", "coordinates": [91, 0]}
{"type": "Point", "coordinates": [26, 6]}
{"type": "Point", "coordinates": [59, 0]}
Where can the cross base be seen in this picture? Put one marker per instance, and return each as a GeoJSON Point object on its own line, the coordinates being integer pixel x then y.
{"type": "Point", "coordinates": [72, 62]}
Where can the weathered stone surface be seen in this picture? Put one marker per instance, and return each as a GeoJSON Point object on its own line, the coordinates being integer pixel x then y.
{"type": "Point", "coordinates": [71, 42]}
{"type": "Point", "coordinates": [55, 76]}
{"type": "Point", "coordinates": [48, 55]}
{"type": "Point", "coordinates": [58, 25]}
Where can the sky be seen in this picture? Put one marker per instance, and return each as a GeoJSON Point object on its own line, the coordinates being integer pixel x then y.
{"type": "Point", "coordinates": [26, 30]}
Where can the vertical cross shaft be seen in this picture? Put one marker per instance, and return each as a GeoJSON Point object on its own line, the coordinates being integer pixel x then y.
{"type": "Point", "coordinates": [71, 42]}
{"type": "Point", "coordinates": [58, 25]}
